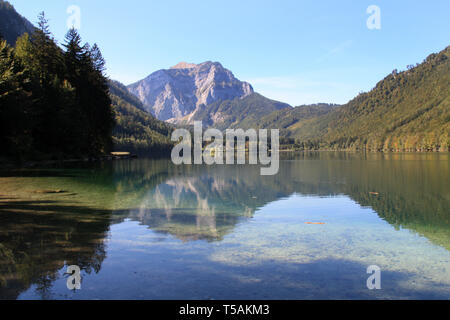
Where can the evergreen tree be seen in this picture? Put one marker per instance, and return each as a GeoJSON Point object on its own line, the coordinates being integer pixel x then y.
{"type": "Point", "coordinates": [14, 103]}
{"type": "Point", "coordinates": [54, 103]}
{"type": "Point", "coordinates": [48, 56]}
{"type": "Point", "coordinates": [43, 59]}
{"type": "Point", "coordinates": [85, 70]}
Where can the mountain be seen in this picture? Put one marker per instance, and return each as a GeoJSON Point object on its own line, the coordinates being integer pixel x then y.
{"type": "Point", "coordinates": [136, 130]}
{"type": "Point", "coordinates": [284, 118]}
{"type": "Point", "coordinates": [12, 25]}
{"type": "Point", "coordinates": [188, 92]}
{"type": "Point", "coordinates": [236, 113]}
{"type": "Point", "coordinates": [406, 111]}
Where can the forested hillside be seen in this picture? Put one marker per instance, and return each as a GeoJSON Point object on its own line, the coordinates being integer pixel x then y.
{"type": "Point", "coordinates": [286, 117]}
{"type": "Point", "coordinates": [54, 102]}
{"type": "Point", "coordinates": [12, 25]}
{"type": "Point", "coordinates": [407, 111]}
{"type": "Point", "coordinates": [237, 113]}
{"type": "Point", "coordinates": [57, 103]}
{"type": "Point", "coordinates": [136, 130]}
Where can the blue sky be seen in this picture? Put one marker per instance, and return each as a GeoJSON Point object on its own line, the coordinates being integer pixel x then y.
{"type": "Point", "coordinates": [299, 52]}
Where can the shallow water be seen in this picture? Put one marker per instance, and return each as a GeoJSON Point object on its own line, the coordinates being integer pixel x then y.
{"type": "Point", "coordinates": [145, 229]}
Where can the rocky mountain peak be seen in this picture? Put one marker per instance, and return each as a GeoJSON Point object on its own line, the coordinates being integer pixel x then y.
{"type": "Point", "coordinates": [177, 92]}
{"type": "Point", "coordinates": [184, 65]}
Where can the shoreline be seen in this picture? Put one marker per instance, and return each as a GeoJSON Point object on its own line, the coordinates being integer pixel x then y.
{"type": "Point", "coordinates": [27, 164]}
{"type": "Point", "coordinates": [7, 164]}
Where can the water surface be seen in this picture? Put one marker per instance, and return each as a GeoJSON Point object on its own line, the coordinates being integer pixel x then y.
{"type": "Point", "coordinates": [146, 229]}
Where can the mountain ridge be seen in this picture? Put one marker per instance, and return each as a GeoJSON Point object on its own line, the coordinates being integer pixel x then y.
{"type": "Point", "coordinates": [12, 24]}
{"type": "Point", "coordinates": [406, 111]}
{"type": "Point", "coordinates": [175, 93]}
{"type": "Point", "coordinates": [190, 92]}
{"type": "Point", "coordinates": [184, 65]}
{"type": "Point", "coordinates": [136, 130]}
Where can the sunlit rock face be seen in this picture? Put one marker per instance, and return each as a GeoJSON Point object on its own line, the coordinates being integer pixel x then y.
{"type": "Point", "coordinates": [175, 94]}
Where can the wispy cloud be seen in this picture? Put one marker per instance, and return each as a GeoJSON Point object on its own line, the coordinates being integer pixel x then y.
{"type": "Point", "coordinates": [283, 82]}
{"type": "Point", "coordinates": [334, 51]}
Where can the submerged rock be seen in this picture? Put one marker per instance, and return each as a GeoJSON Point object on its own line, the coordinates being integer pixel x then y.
{"type": "Point", "coordinates": [50, 191]}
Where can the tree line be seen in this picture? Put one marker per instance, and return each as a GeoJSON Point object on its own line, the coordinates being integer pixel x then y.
{"type": "Point", "coordinates": [54, 102]}
{"type": "Point", "coordinates": [137, 131]}
{"type": "Point", "coordinates": [406, 111]}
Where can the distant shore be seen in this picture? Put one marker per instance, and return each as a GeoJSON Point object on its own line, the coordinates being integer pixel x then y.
{"type": "Point", "coordinates": [6, 164]}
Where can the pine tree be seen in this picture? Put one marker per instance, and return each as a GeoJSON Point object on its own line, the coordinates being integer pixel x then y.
{"type": "Point", "coordinates": [14, 103]}
{"type": "Point", "coordinates": [104, 117]}
{"type": "Point", "coordinates": [50, 92]}
{"type": "Point", "coordinates": [53, 103]}
{"type": "Point", "coordinates": [49, 59]}
{"type": "Point", "coordinates": [85, 70]}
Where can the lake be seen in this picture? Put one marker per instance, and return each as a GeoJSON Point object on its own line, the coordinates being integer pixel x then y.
{"type": "Point", "coordinates": [147, 229]}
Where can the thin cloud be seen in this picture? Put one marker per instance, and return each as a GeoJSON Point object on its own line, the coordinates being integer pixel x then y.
{"type": "Point", "coordinates": [339, 48]}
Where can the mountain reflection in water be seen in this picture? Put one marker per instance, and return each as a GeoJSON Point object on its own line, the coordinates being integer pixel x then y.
{"type": "Point", "coordinates": [41, 233]}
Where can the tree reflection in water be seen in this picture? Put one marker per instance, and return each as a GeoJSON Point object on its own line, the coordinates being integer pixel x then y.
{"type": "Point", "coordinates": [40, 234]}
